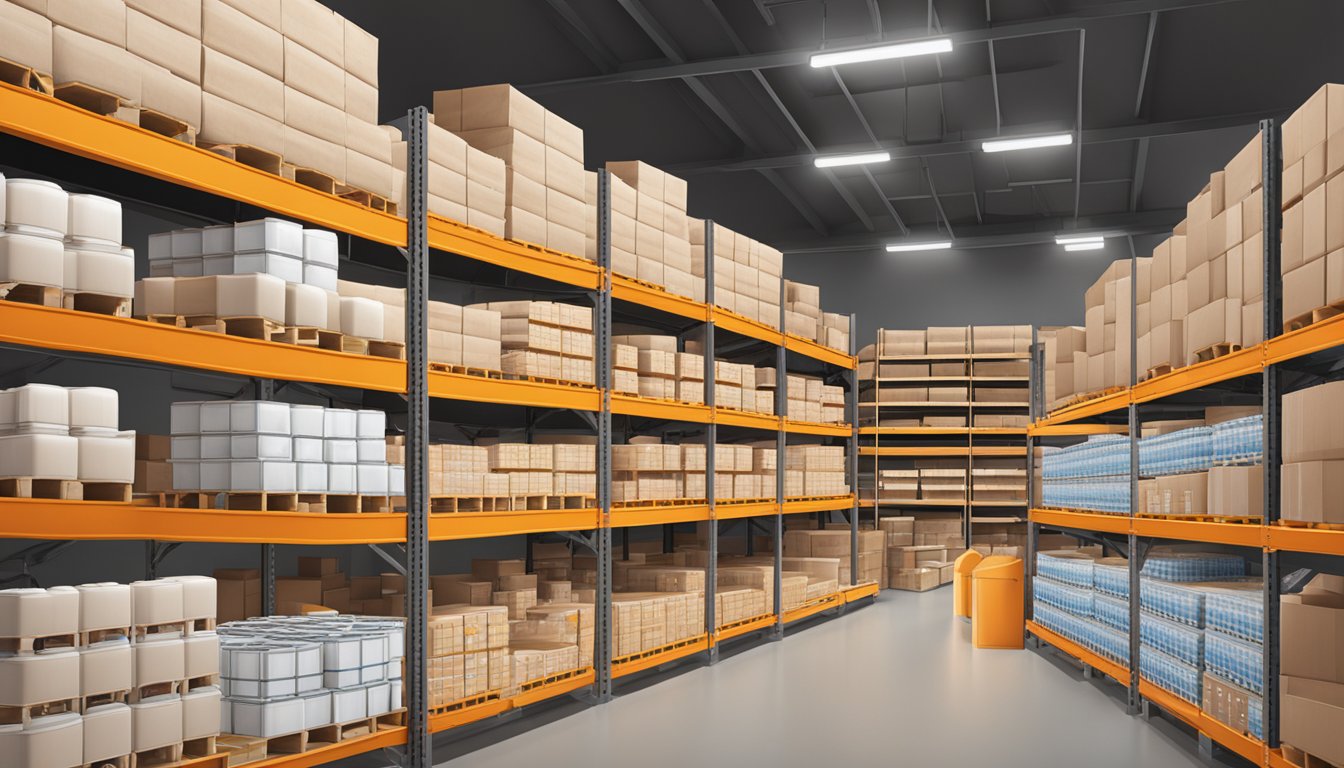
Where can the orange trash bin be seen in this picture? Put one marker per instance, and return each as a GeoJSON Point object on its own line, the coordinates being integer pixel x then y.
{"type": "Point", "coordinates": [961, 582]}
{"type": "Point", "coordinates": [997, 621]}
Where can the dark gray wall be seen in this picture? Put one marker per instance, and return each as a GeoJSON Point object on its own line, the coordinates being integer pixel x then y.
{"type": "Point", "coordinates": [1026, 285]}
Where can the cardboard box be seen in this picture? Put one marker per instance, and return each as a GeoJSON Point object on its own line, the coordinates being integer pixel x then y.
{"type": "Point", "coordinates": [1311, 717]}
{"type": "Point", "coordinates": [1313, 424]}
{"type": "Point", "coordinates": [159, 43]}
{"type": "Point", "coordinates": [1312, 627]}
{"type": "Point", "coordinates": [1237, 491]}
{"type": "Point", "coordinates": [1219, 322]}
{"type": "Point", "coordinates": [223, 122]}
{"type": "Point", "coordinates": [230, 31]}
{"type": "Point", "coordinates": [1311, 491]}
{"type": "Point", "coordinates": [237, 594]}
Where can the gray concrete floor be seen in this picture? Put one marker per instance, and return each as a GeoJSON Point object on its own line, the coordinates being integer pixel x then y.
{"type": "Point", "coordinates": [895, 683]}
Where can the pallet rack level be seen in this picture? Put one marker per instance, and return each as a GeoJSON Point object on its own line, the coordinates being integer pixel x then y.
{"type": "Point", "coordinates": [69, 130]}
{"type": "Point", "coordinates": [1280, 548]}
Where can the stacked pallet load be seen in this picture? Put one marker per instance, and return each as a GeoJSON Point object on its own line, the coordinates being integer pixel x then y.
{"type": "Point", "coordinates": [1312, 249]}
{"type": "Point", "coordinates": [544, 185]}
{"type": "Point", "coordinates": [835, 543]}
{"type": "Point", "coordinates": [462, 183]}
{"type": "Point", "coordinates": [250, 448]}
{"type": "Point", "coordinates": [746, 273]}
{"type": "Point", "coordinates": [815, 470]}
{"type": "Point", "coordinates": [803, 317]}
{"type": "Point", "coordinates": [1313, 454]}
{"type": "Point", "coordinates": [100, 672]}
{"type": "Point", "coordinates": [647, 470]}
{"type": "Point", "coordinates": [650, 365]}
{"type": "Point", "coordinates": [1065, 371]}
{"type": "Point", "coordinates": [809, 398]}
{"type": "Point", "coordinates": [545, 339]}
{"type": "Point", "coordinates": [650, 232]}
{"type": "Point", "coordinates": [63, 249]}
{"type": "Point", "coordinates": [64, 443]}
{"type": "Point", "coordinates": [295, 680]}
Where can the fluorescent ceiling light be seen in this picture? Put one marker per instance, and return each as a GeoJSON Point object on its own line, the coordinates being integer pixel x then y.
{"type": "Point", "coordinates": [1094, 245]}
{"type": "Point", "coordinates": [860, 159]}
{"type": "Point", "coordinates": [1030, 142]}
{"type": "Point", "coordinates": [905, 247]}
{"type": "Point", "coordinates": [1077, 239]}
{"type": "Point", "coordinates": [882, 52]}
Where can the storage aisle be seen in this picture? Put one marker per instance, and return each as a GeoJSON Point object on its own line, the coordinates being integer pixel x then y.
{"type": "Point", "coordinates": [896, 683]}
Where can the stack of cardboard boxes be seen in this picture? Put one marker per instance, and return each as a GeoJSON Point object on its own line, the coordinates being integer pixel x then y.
{"type": "Point", "coordinates": [810, 399]}
{"type": "Point", "coordinates": [543, 156]}
{"type": "Point", "coordinates": [513, 469]}
{"type": "Point", "coordinates": [1311, 688]}
{"type": "Point", "coordinates": [545, 339]}
{"type": "Point", "coordinates": [834, 543]}
{"type": "Point", "coordinates": [746, 273]}
{"type": "Point", "coordinates": [462, 183]}
{"type": "Point", "coordinates": [650, 235]}
{"type": "Point", "coordinates": [1312, 255]}
{"type": "Point", "coordinates": [815, 470]}
{"type": "Point", "coordinates": [467, 652]}
{"type": "Point", "coordinates": [646, 470]}
{"type": "Point", "coordinates": [1313, 455]}
{"type": "Point", "coordinates": [803, 317]}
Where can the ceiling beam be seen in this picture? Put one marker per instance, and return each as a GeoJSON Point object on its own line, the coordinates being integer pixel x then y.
{"type": "Point", "coordinates": [1147, 56]}
{"type": "Point", "coordinates": [1089, 136]}
{"type": "Point", "coordinates": [1063, 22]}
{"type": "Point", "coordinates": [1034, 232]}
{"type": "Point", "coordinates": [582, 36]}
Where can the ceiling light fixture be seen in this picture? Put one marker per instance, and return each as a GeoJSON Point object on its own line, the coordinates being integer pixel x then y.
{"type": "Point", "coordinates": [1095, 245]}
{"type": "Point", "coordinates": [863, 158]}
{"type": "Point", "coordinates": [907, 247]}
{"type": "Point", "coordinates": [1030, 142]}
{"type": "Point", "coordinates": [1077, 239]}
{"type": "Point", "coordinates": [882, 52]}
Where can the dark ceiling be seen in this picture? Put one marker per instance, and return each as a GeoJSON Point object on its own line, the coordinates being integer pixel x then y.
{"type": "Point", "coordinates": [720, 92]}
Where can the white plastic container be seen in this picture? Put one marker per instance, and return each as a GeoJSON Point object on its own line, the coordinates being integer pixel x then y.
{"type": "Point", "coordinates": [308, 659]}
{"type": "Point", "coordinates": [305, 306]}
{"type": "Point", "coordinates": [198, 597]}
{"type": "Point", "coordinates": [105, 605]}
{"type": "Point", "coordinates": [202, 654]}
{"type": "Point", "coordinates": [161, 269]}
{"type": "Point", "coordinates": [308, 683]}
{"type": "Point", "coordinates": [217, 264]}
{"type": "Point", "coordinates": [217, 447]}
{"type": "Point", "coordinates": [285, 267]}
{"type": "Point", "coordinates": [39, 407]}
{"type": "Point", "coordinates": [250, 295]}
{"type": "Point", "coordinates": [372, 451]}
{"type": "Point", "coordinates": [160, 660]}
{"type": "Point", "coordinates": [320, 247]}
{"type": "Point", "coordinates": [185, 447]}
{"type": "Point", "coordinates": [160, 246]}
{"type": "Point", "coordinates": [34, 678]}
{"type": "Point", "coordinates": [371, 424]}
{"type": "Point", "coordinates": [215, 475]}
{"type": "Point", "coordinates": [337, 679]}
{"type": "Point", "coordinates": [53, 741]}
{"type": "Point", "coordinates": [341, 478]}
{"type": "Point", "coordinates": [308, 449]}
{"type": "Point", "coordinates": [217, 240]}
{"type": "Point", "coordinates": [157, 601]}
{"type": "Point", "coordinates": [349, 704]}
{"type": "Point", "coordinates": [107, 732]}
{"type": "Point", "coordinates": [105, 667]}
{"type": "Point", "coordinates": [340, 423]}
{"type": "Point", "coordinates": [93, 407]}
{"type": "Point", "coordinates": [373, 648]}
{"type": "Point", "coordinates": [263, 476]}
{"type": "Point", "coordinates": [188, 266]}
{"type": "Point", "coordinates": [341, 652]}
{"type": "Point", "coordinates": [30, 612]}
{"type": "Point", "coordinates": [263, 689]}
{"type": "Point", "coordinates": [306, 420]}
{"type": "Point", "coordinates": [187, 243]}
{"type": "Point", "coordinates": [107, 458]}
{"type": "Point", "coordinates": [373, 674]}
{"type": "Point", "coordinates": [156, 722]}
{"type": "Point", "coordinates": [337, 451]}
{"type": "Point", "coordinates": [261, 661]}
{"type": "Point", "coordinates": [361, 317]}
{"type": "Point", "coordinates": [94, 220]}
{"type": "Point", "coordinates": [394, 689]}
{"type": "Point", "coordinates": [264, 719]}
{"type": "Point", "coordinates": [311, 477]}
{"type": "Point", "coordinates": [216, 416]}
{"type": "Point", "coordinates": [109, 273]}
{"type": "Point", "coordinates": [36, 207]}
{"type": "Point", "coordinates": [396, 479]}
{"type": "Point", "coordinates": [200, 712]}
{"type": "Point", "coordinates": [184, 418]}
{"type": "Point", "coordinates": [316, 709]}
{"type": "Point", "coordinates": [322, 277]}
{"type": "Point", "coordinates": [6, 411]}
{"type": "Point", "coordinates": [379, 699]}
{"type": "Point", "coordinates": [49, 457]}
{"type": "Point", "coordinates": [261, 416]}
{"type": "Point", "coordinates": [253, 446]}
{"type": "Point", "coordinates": [225, 714]}
{"type": "Point", "coordinates": [269, 235]}
{"type": "Point", "coordinates": [187, 475]}
{"type": "Point", "coordinates": [31, 259]}
{"type": "Point", "coordinates": [371, 479]}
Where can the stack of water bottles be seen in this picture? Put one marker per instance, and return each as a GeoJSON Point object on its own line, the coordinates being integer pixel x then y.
{"type": "Point", "coordinates": [1092, 475]}
{"type": "Point", "coordinates": [1069, 602]}
{"type": "Point", "coordinates": [1197, 449]}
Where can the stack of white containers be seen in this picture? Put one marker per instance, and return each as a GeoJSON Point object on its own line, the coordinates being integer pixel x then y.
{"type": "Point", "coordinates": [61, 240]}
{"type": "Point", "coordinates": [119, 669]}
{"type": "Point", "coordinates": [285, 674]}
{"type": "Point", "coordinates": [270, 447]}
{"type": "Point", "coordinates": [53, 433]}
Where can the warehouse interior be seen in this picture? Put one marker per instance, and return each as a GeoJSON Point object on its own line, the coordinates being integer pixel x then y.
{"type": "Point", "coordinates": [450, 383]}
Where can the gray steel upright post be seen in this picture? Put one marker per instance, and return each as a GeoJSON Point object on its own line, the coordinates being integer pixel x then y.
{"type": "Point", "coordinates": [418, 744]}
{"type": "Point", "coordinates": [1271, 394]}
{"type": "Point", "coordinates": [852, 453]}
{"type": "Point", "coordinates": [264, 389]}
{"type": "Point", "coordinates": [781, 448]}
{"type": "Point", "coordinates": [1135, 428]}
{"type": "Point", "coordinates": [603, 636]}
{"type": "Point", "coordinates": [711, 437]}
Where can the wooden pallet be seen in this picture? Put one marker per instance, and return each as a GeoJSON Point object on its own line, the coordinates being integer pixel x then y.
{"type": "Point", "coordinates": [655, 651]}
{"type": "Point", "coordinates": [91, 636]}
{"type": "Point", "coordinates": [1312, 317]}
{"type": "Point", "coordinates": [38, 643]}
{"type": "Point", "coordinates": [202, 747]}
{"type": "Point", "coordinates": [166, 125]}
{"type": "Point", "coordinates": [241, 749]}
{"type": "Point", "coordinates": [112, 762]}
{"type": "Point", "coordinates": [262, 501]}
{"type": "Point", "coordinates": [1311, 524]}
{"type": "Point", "coordinates": [98, 101]}
{"type": "Point", "coordinates": [309, 336]}
{"type": "Point", "coordinates": [1256, 520]}
{"type": "Point", "coordinates": [640, 503]}
{"type": "Point", "coordinates": [297, 743]}
{"type": "Point", "coordinates": [1161, 370]}
{"type": "Point", "coordinates": [470, 503]}
{"type": "Point", "coordinates": [28, 293]}
{"type": "Point", "coordinates": [98, 699]}
{"type": "Point", "coordinates": [97, 303]}
{"type": "Point", "coordinates": [39, 488]}
{"type": "Point", "coordinates": [467, 702]}
{"type": "Point", "coordinates": [340, 503]}
{"type": "Point", "coordinates": [161, 756]}
{"type": "Point", "coordinates": [309, 177]}
{"type": "Point", "coordinates": [1304, 759]}
{"type": "Point", "coordinates": [542, 682]}
{"type": "Point", "coordinates": [247, 327]}
{"type": "Point", "coordinates": [13, 715]}
{"type": "Point", "coordinates": [1212, 351]}
{"type": "Point", "coordinates": [366, 198]}
{"type": "Point", "coordinates": [355, 345]}
{"type": "Point", "coordinates": [253, 157]}
{"type": "Point", "coordinates": [24, 76]}
{"type": "Point", "coordinates": [142, 692]}
{"type": "Point", "coordinates": [466, 370]}
{"type": "Point", "coordinates": [118, 493]}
